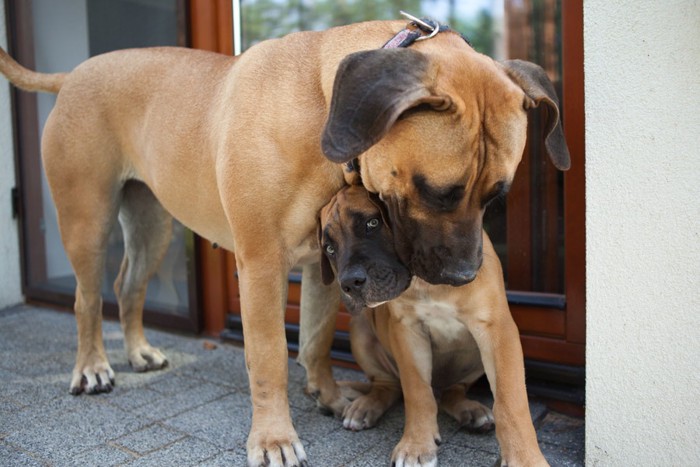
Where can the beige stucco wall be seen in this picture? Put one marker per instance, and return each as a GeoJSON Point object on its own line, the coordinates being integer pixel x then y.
{"type": "Point", "coordinates": [10, 292]}
{"type": "Point", "coordinates": [642, 66]}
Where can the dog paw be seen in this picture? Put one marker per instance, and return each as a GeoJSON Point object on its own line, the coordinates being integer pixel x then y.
{"type": "Point", "coordinates": [147, 358]}
{"type": "Point", "coordinates": [92, 378]}
{"type": "Point", "coordinates": [334, 401]}
{"type": "Point", "coordinates": [268, 449]}
{"type": "Point", "coordinates": [416, 452]}
{"type": "Point", "coordinates": [363, 413]}
{"type": "Point", "coordinates": [475, 417]}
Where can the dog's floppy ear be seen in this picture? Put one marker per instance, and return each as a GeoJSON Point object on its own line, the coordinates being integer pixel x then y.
{"type": "Point", "coordinates": [371, 90]}
{"type": "Point", "coordinates": [327, 275]}
{"type": "Point", "coordinates": [537, 86]}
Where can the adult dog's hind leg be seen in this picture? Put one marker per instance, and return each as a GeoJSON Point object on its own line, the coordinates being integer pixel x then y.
{"type": "Point", "coordinates": [471, 415]}
{"type": "Point", "coordinates": [147, 231]}
{"type": "Point", "coordinates": [86, 214]}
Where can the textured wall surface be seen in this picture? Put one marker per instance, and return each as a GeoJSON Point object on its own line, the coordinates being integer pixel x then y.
{"type": "Point", "coordinates": [10, 292]}
{"type": "Point", "coordinates": [642, 65]}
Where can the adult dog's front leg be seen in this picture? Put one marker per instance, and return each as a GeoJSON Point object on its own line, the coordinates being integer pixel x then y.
{"type": "Point", "coordinates": [499, 343]}
{"type": "Point", "coordinates": [263, 286]}
{"type": "Point", "coordinates": [319, 309]}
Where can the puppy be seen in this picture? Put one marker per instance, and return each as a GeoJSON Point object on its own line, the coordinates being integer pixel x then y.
{"type": "Point", "coordinates": [429, 338]}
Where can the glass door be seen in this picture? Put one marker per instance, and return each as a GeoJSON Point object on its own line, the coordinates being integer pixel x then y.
{"type": "Point", "coordinates": [52, 36]}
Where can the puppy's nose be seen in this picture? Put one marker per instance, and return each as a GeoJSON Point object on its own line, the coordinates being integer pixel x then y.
{"type": "Point", "coordinates": [353, 280]}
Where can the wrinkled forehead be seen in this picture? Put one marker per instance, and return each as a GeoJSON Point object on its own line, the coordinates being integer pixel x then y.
{"type": "Point", "coordinates": [348, 207]}
{"type": "Point", "coordinates": [450, 149]}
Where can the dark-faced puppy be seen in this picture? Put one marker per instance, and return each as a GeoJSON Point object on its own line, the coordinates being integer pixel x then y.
{"type": "Point", "coordinates": [356, 240]}
{"type": "Point", "coordinates": [429, 338]}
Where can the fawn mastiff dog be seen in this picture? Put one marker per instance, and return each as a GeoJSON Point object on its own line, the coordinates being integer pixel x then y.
{"type": "Point", "coordinates": [431, 338]}
{"type": "Point", "coordinates": [246, 151]}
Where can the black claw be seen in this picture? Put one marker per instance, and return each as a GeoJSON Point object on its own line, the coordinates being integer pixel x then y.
{"type": "Point", "coordinates": [102, 386]}
{"type": "Point", "coordinates": [438, 441]}
{"type": "Point", "coordinates": [76, 391]}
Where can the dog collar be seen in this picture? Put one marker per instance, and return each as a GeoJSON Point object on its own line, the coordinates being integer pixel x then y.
{"type": "Point", "coordinates": [418, 30]}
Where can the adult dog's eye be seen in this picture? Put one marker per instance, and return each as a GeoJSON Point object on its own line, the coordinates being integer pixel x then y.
{"type": "Point", "coordinates": [372, 224]}
{"type": "Point", "coordinates": [499, 189]}
{"type": "Point", "coordinates": [330, 250]}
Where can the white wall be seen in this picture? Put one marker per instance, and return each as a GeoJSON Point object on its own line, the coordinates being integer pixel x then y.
{"type": "Point", "coordinates": [642, 65]}
{"type": "Point", "coordinates": [10, 292]}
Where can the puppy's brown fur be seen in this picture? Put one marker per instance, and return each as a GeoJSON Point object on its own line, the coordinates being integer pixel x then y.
{"type": "Point", "coordinates": [431, 338]}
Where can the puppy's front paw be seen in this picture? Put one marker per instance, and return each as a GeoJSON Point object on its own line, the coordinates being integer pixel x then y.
{"type": "Point", "coordinates": [363, 413]}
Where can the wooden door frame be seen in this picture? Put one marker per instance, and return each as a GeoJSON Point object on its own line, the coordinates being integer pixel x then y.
{"type": "Point", "coordinates": [211, 28]}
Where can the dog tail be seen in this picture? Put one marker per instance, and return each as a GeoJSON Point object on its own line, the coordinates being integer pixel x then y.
{"type": "Point", "coordinates": [27, 79]}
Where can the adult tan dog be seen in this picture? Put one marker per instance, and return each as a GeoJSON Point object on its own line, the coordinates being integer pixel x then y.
{"type": "Point", "coordinates": [234, 148]}
{"type": "Point", "coordinates": [430, 338]}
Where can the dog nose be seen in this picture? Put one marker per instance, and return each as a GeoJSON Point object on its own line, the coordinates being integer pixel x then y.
{"type": "Point", "coordinates": [353, 280]}
{"type": "Point", "coordinates": [459, 272]}
{"type": "Point", "coordinates": [457, 278]}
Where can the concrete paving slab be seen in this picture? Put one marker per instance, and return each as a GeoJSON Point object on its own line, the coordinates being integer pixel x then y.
{"type": "Point", "coordinates": [195, 412]}
{"type": "Point", "coordinates": [11, 455]}
{"type": "Point", "coordinates": [185, 452]}
{"type": "Point", "coordinates": [224, 422]}
{"type": "Point", "coordinates": [149, 438]}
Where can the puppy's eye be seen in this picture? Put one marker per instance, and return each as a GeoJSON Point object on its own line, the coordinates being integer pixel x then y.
{"type": "Point", "coordinates": [330, 250]}
{"type": "Point", "coordinates": [372, 224]}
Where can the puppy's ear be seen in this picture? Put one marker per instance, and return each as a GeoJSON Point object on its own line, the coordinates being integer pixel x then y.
{"type": "Point", "coordinates": [540, 90]}
{"type": "Point", "coordinates": [371, 90]}
{"type": "Point", "coordinates": [327, 275]}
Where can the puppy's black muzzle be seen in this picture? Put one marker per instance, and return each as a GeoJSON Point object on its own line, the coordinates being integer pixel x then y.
{"type": "Point", "coordinates": [353, 280]}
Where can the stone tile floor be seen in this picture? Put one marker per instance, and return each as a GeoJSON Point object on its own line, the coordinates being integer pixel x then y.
{"type": "Point", "coordinates": [195, 412]}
